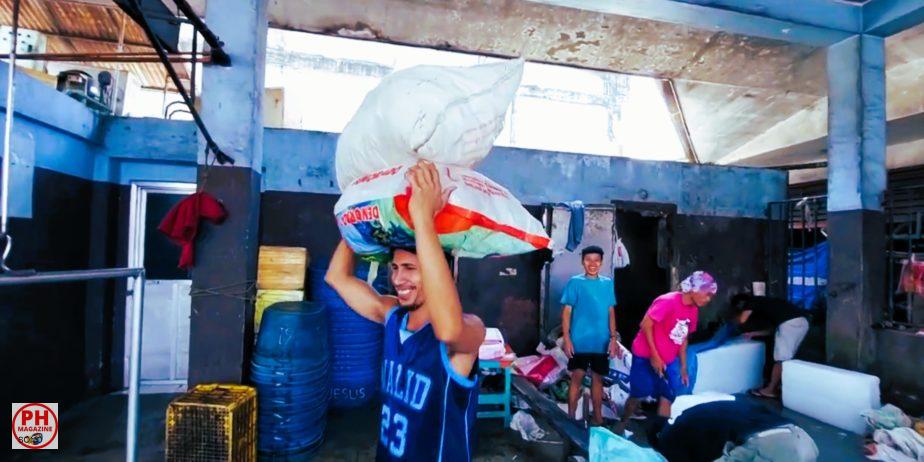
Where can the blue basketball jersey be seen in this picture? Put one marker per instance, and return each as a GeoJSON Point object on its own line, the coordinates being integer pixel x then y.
{"type": "Point", "coordinates": [428, 409]}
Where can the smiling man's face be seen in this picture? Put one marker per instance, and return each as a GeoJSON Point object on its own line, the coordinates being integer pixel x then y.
{"type": "Point", "coordinates": [405, 277]}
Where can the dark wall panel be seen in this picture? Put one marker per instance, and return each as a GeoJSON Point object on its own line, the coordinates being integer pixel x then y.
{"type": "Point", "coordinates": [43, 337]}
{"type": "Point", "coordinates": [731, 249]}
{"type": "Point", "coordinates": [100, 304]}
{"type": "Point", "coordinates": [300, 220]}
{"type": "Point", "coordinates": [504, 293]}
{"type": "Point", "coordinates": [899, 368]}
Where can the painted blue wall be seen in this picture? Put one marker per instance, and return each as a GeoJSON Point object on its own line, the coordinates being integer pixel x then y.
{"type": "Point", "coordinates": [55, 132]}
{"type": "Point", "coordinates": [303, 161]}
{"type": "Point", "coordinates": [62, 139]}
{"type": "Point", "coordinates": [296, 160]}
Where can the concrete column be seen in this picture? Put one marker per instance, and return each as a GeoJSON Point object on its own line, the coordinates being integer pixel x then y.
{"type": "Point", "coordinates": [856, 182]}
{"type": "Point", "coordinates": [221, 326]}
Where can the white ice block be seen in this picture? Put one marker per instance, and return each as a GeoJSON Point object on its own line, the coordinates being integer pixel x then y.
{"type": "Point", "coordinates": [831, 395]}
{"type": "Point", "coordinates": [735, 367]}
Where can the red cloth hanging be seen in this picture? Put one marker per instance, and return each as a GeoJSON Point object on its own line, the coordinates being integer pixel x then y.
{"type": "Point", "coordinates": [181, 224]}
{"type": "Point", "coordinates": [912, 277]}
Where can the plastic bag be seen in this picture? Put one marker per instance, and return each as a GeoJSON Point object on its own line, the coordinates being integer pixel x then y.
{"type": "Point", "coordinates": [450, 115]}
{"type": "Point", "coordinates": [480, 219]}
{"type": "Point", "coordinates": [542, 371]}
{"type": "Point", "coordinates": [619, 369]}
{"type": "Point", "coordinates": [527, 426]}
{"type": "Point", "coordinates": [558, 353]}
{"type": "Point", "coordinates": [620, 255]}
{"type": "Point", "coordinates": [616, 397]}
{"type": "Point", "coordinates": [606, 446]}
{"type": "Point", "coordinates": [887, 417]}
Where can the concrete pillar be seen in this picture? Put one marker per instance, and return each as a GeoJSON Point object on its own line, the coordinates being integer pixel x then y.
{"type": "Point", "coordinates": [221, 326]}
{"type": "Point", "coordinates": [856, 183]}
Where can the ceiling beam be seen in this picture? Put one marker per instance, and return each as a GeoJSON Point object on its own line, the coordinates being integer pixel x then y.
{"type": "Point", "coordinates": [899, 131]}
{"type": "Point", "coordinates": [828, 14]}
{"type": "Point", "coordinates": [102, 3]}
{"type": "Point", "coordinates": [889, 17]}
{"type": "Point", "coordinates": [71, 36]}
{"type": "Point", "coordinates": [703, 15]}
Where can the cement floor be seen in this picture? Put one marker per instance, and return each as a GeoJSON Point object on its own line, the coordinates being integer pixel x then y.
{"type": "Point", "coordinates": [94, 430]}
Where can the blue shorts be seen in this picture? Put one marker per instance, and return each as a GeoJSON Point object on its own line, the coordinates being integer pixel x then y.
{"type": "Point", "coordinates": [643, 381]}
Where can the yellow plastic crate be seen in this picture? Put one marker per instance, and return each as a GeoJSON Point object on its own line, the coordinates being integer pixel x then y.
{"type": "Point", "coordinates": [212, 423]}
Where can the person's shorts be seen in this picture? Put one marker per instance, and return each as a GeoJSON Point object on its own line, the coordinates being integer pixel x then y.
{"type": "Point", "coordinates": [644, 381]}
{"type": "Point", "coordinates": [789, 336]}
{"type": "Point", "coordinates": [597, 362]}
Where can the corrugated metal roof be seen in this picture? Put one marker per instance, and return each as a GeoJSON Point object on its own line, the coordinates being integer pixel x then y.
{"type": "Point", "coordinates": [76, 27]}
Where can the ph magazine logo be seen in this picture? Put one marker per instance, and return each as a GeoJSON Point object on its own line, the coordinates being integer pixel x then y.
{"type": "Point", "coordinates": [35, 425]}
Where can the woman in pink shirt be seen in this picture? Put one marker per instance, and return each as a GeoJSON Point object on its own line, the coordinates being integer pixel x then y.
{"type": "Point", "coordinates": [662, 341]}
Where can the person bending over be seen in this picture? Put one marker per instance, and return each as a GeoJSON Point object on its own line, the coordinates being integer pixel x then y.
{"type": "Point", "coordinates": [659, 361]}
{"type": "Point", "coordinates": [762, 316]}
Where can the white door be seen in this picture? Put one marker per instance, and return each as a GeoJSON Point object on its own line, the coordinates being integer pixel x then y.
{"type": "Point", "coordinates": [165, 323]}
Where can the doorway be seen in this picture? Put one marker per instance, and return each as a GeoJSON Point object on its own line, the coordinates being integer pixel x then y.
{"type": "Point", "coordinates": [167, 304]}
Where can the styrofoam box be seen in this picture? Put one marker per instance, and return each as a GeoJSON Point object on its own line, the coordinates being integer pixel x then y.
{"type": "Point", "coordinates": [734, 367]}
{"type": "Point", "coordinates": [831, 395]}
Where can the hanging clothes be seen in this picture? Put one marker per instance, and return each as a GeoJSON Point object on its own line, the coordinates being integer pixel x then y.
{"type": "Point", "coordinates": [576, 225]}
{"type": "Point", "coordinates": [912, 277]}
{"type": "Point", "coordinates": [181, 224]}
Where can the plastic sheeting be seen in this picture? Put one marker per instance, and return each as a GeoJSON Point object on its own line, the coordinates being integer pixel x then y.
{"type": "Point", "coordinates": [808, 275]}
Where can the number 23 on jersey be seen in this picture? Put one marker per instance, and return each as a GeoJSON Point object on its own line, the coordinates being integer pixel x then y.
{"type": "Point", "coordinates": [397, 423]}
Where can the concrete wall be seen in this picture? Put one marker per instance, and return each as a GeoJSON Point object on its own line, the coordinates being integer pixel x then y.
{"type": "Point", "coordinates": [899, 357]}
{"type": "Point", "coordinates": [303, 161]}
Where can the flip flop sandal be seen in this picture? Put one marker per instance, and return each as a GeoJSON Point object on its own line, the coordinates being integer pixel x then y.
{"type": "Point", "coordinates": [759, 394]}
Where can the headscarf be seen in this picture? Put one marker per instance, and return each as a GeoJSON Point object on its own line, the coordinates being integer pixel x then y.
{"type": "Point", "coordinates": [699, 281]}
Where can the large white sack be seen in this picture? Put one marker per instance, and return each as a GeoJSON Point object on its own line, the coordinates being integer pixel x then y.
{"type": "Point", "coordinates": [450, 115]}
{"type": "Point", "coordinates": [481, 218]}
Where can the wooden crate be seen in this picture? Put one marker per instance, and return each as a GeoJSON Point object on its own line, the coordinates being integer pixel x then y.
{"type": "Point", "coordinates": [282, 268]}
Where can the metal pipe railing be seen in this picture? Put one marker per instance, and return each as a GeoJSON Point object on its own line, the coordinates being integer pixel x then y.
{"type": "Point", "coordinates": [134, 360]}
{"type": "Point", "coordinates": [7, 137]}
{"type": "Point", "coordinates": [68, 276]}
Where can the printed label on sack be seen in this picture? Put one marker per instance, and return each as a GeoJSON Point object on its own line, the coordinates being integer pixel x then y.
{"type": "Point", "coordinates": [360, 214]}
{"type": "Point", "coordinates": [483, 186]}
{"type": "Point", "coordinates": [35, 425]}
{"type": "Point", "coordinates": [379, 174]}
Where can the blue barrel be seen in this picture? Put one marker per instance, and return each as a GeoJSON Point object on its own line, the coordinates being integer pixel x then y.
{"type": "Point", "coordinates": [355, 342]}
{"type": "Point", "coordinates": [291, 372]}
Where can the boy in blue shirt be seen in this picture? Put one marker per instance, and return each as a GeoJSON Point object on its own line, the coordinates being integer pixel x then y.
{"type": "Point", "coordinates": [588, 322]}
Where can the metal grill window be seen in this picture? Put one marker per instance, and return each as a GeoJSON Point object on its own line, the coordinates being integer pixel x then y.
{"type": "Point", "coordinates": [797, 251]}
{"type": "Point", "coordinates": [904, 243]}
